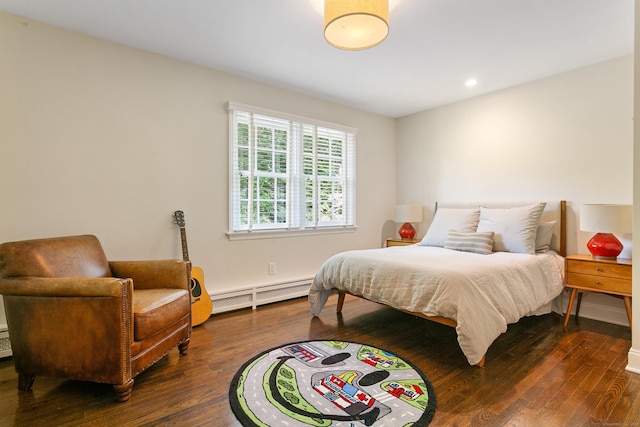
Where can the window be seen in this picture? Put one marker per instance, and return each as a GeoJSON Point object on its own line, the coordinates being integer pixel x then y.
{"type": "Point", "coordinates": [289, 174]}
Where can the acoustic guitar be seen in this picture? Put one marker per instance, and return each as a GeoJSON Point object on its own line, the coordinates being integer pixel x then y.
{"type": "Point", "coordinates": [200, 300]}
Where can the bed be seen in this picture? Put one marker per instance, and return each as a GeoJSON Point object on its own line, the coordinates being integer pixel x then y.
{"type": "Point", "coordinates": [480, 267]}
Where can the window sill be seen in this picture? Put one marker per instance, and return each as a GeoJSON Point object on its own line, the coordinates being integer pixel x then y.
{"type": "Point", "coordinates": [274, 234]}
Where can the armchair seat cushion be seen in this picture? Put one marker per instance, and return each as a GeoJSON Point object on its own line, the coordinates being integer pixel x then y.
{"type": "Point", "coordinates": [155, 309]}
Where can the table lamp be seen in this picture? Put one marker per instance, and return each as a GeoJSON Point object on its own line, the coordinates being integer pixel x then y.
{"type": "Point", "coordinates": [605, 220]}
{"type": "Point", "coordinates": [408, 214]}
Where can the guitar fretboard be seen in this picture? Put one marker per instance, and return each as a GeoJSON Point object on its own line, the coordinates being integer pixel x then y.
{"type": "Point", "coordinates": [183, 238]}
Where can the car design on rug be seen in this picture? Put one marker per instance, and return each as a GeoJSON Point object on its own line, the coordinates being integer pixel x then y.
{"type": "Point", "coordinates": [344, 395]}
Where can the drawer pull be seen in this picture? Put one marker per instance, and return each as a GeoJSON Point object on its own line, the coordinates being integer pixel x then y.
{"type": "Point", "coordinates": [598, 269]}
{"type": "Point", "coordinates": [597, 282]}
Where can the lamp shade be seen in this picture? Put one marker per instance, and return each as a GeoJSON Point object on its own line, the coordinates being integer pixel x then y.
{"type": "Point", "coordinates": [356, 24]}
{"type": "Point", "coordinates": [408, 214]}
{"type": "Point", "coordinates": [605, 220]}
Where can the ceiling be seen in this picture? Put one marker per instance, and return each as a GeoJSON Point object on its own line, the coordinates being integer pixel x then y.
{"type": "Point", "coordinates": [433, 46]}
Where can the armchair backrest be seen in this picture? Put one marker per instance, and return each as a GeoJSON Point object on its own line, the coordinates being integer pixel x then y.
{"type": "Point", "coordinates": [72, 256]}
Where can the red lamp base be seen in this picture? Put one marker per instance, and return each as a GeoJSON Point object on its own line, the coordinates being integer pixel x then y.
{"type": "Point", "coordinates": [407, 231]}
{"type": "Point", "coordinates": [604, 246]}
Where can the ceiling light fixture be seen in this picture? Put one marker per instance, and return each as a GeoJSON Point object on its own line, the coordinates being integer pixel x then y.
{"type": "Point", "coordinates": [356, 24]}
{"type": "Point", "coordinates": [471, 82]}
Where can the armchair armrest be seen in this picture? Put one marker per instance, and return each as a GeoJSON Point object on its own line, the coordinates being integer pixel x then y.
{"type": "Point", "coordinates": [154, 273]}
{"type": "Point", "coordinates": [62, 287]}
{"type": "Point", "coordinates": [84, 326]}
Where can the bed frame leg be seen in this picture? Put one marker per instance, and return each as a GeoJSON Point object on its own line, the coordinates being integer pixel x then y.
{"type": "Point", "coordinates": [341, 296]}
{"type": "Point", "coordinates": [480, 364]}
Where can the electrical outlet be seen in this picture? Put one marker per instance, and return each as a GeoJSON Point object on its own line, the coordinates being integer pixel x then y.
{"type": "Point", "coordinates": [272, 268]}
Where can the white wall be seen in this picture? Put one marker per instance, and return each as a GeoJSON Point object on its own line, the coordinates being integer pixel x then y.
{"type": "Point", "coordinates": [569, 136]}
{"type": "Point", "coordinates": [105, 139]}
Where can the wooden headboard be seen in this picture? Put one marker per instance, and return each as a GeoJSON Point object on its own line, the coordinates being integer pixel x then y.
{"type": "Point", "coordinates": [555, 210]}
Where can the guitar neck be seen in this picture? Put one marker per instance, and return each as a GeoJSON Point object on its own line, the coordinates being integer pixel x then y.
{"type": "Point", "coordinates": [183, 238]}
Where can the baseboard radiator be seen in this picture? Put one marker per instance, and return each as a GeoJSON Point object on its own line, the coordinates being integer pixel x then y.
{"type": "Point", "coordinates": [258, 295]}
{"type": "Point", "coordinates": [5, 344]}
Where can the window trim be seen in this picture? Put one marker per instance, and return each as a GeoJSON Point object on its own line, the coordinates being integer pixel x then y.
{"type": "Point", "coordinates": [288, 232]}
{"type": "Point", "coordinates": [284, 232]}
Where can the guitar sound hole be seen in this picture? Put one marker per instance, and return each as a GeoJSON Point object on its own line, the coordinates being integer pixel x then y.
{"type": "Point", "coordinates": [196, 291]}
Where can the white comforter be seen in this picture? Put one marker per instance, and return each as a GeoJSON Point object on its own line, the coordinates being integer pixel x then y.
{"type": "Point", "coordinates": [482, 293]}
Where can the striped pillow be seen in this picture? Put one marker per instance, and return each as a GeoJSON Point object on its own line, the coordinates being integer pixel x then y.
{"type": "Point", "coordinates": [478, 242]}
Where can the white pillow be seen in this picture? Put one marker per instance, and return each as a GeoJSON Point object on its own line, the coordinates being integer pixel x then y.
{"type": "Point", "coordinates": [544, 236]}
{"type": "Point", "coordinates": [477, 243]}
{"type": "Point", "coordinates": [446, 219]}
{"type": "Point", "coordinates": [515, 228]}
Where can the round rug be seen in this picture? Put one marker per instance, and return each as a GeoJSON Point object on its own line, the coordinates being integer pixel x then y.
{"type": "Point", "coordinates": [331, 383]}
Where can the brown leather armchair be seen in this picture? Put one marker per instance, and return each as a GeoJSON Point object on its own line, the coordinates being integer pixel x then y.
{"type": "Point", "coordinates": [73, 314]}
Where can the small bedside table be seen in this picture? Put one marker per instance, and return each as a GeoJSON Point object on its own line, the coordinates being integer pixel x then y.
{"type": "Point", "coordinates": [401, 242]}
{"type": "Point", "coordinates": [584, 273]}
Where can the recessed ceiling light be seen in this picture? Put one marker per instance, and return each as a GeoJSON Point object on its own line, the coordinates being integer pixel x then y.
{"type": "Point", "coordinates": [471, 82]}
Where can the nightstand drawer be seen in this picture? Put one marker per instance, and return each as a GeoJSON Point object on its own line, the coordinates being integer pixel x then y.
{"type": "Point", "coordinates": [619, 271]}
{"type": "Point", "coordinates": [599, 283]}
{"type": "Point", "coordinates": [401, 242]}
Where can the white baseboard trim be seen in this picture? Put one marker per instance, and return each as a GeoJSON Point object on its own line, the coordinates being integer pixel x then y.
{"type": "Point", "coordinates": [258, 295]}
{"type": "Point", "coordinates": [633, 363]}
{"type": "Point", "coordinates": [603, 313]}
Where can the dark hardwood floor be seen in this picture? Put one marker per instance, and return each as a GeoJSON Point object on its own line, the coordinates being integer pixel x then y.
{"type": "Point", "coordinates": [536, 374]}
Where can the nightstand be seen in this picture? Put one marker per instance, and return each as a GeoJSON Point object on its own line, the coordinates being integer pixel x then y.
{"type": "Point", "coordinates": [584, 273]}
{"type": "Point", "coordinates": [401, 242]}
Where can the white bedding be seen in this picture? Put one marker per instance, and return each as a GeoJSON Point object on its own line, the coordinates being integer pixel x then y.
{"type": "Point", "coordinates": [482, 293]}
